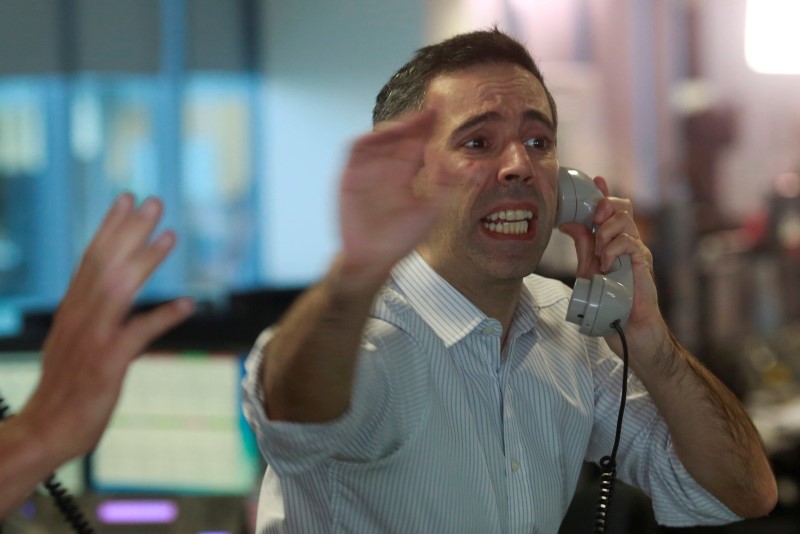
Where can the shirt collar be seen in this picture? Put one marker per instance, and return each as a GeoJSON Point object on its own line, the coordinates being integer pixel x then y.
{"type": "Point", "coordinates": [449, 313]}
{"type": "Point", "coordinates": [526, 314]}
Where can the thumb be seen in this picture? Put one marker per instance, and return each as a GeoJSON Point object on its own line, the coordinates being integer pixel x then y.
{"type": "Point", "coordinates": [582, 237]}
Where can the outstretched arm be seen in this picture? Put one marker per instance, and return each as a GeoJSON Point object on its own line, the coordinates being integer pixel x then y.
{"type": "Point", "coordinates": [88, 350]}
{"type": "Point", "coordinates": [308, 366]}
{"type": "Point", "coordinates": [712, 433]}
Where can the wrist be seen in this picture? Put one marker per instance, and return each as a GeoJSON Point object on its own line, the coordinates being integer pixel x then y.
{"type": "Point", "coordinates": [27, 444]}
{"type": "Point", "coordinates": [653, 352]}
{"type": "Point", "coordinates": [351, 279]}
{"type": "Point", "coordinates": [49, 436]}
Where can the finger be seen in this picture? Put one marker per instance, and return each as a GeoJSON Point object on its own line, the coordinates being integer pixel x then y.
{"type": "Point", "coordinates": [621, 245]}
{"type": "Point", "coordinates": [117, 213]}
{"type": "Point", "coordinates": [608, 206]}
{"type": "Point", "coordinates": [119, 241]}
{"type": "Point", "coordinates": [620, 204]}
{"type": "Point", "coordinates": [98, 323]}
{"type": "Point", "coordinates": [414, 127]}
{"type": "Point", "coordinates": [588, 263]}
{"type": "Point", "coordinates": [146, 327]}
{"type": "Point", "coordinates": [142, 265]}
{"type": "Point", "coordinates": [395, 137]}
{"type": "Point", "coordinates": [412, 121]}
{"type": "Point", "coordinates": [134, 232]}
{"type": "Point", "coordinates": [620, 222]}
{"type": "Point", "coordinates": [602, 185]}
{"type": "Point", "coordinates": [380, 168]}
{"type": "Point", "coordinates": [113, 297]}
{"type": "Point", "coordinates": [140, 331]}
{"type": "Point", "coordinates": [101, 273]}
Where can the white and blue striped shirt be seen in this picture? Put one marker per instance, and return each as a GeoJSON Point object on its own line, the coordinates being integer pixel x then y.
{"type": "Point", "coordinates": [447, 432]}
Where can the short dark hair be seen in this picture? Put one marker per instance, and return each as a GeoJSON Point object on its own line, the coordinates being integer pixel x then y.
{"type": "Point", "coordinates": [405, 91]}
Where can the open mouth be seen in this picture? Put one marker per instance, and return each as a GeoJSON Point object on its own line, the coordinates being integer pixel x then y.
{"type": "Point", "coordinates": [511, 222]}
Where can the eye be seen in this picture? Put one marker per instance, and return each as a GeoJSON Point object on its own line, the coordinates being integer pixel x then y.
{"type": "Point", "coordinates": [539, 143]}
{"type": "Point", "coordinates": [476, 143]}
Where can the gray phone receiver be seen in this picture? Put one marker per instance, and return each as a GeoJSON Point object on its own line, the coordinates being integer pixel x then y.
{"type": "Point", "coordinates": [598, 302]}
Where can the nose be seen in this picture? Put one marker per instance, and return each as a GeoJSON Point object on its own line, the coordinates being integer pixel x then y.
{"type": "Point", "coordinates": [515, 164]}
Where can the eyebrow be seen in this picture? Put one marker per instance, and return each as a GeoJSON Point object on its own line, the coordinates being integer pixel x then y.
{"type": "Point", "coordinates": [493, 116]}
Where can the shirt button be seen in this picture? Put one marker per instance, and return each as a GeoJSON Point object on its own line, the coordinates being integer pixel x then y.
{"type": "Point", "coordinates": [514, 465]}
{"type": "Point", "coordinates": [487, 331]}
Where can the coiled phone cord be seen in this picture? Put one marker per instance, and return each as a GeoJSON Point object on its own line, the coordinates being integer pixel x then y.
{"type": "Point", "coordinates": [63, 500]}
{"type": "Point", "coordinates": [608, 464]}
{"type": "Point", "coordinates": [4, 409]}
{"type": "Point", "coordinates": [67, 506]}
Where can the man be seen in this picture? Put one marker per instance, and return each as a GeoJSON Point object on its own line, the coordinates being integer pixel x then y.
{"type": "Point", "coordinates": [428, 384]}
{"type": "Point", "coordinates": [88, 350]}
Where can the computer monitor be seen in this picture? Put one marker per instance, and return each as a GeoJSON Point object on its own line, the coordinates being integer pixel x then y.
{"type": "Point", "coordinates": [178, 428]}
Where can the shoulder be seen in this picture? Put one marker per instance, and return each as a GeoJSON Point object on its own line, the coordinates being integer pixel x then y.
{"type": "Point", "coordinates": [392, 314]}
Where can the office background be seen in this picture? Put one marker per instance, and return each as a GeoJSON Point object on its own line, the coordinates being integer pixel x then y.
{"type": "Point", "coordinates": [237, 113]}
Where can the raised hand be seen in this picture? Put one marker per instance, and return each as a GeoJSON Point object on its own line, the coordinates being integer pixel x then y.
{"type": "Point", "coordinates": [93, 339]}
{"type": "Point", "coordinates": [307, 375]}
{"type": "Point", "coordinates": [382, 214]}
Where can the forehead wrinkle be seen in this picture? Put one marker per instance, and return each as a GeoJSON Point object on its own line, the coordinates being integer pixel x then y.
{"type": "Point", "coordinates": [496, 88]}
{"type": "Point", "coordinates": [493, 92]}
{"type": "Point", "coordinates": [484, 94]}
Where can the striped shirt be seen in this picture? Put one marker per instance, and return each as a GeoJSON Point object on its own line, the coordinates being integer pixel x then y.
{"type": "Point", "coordinates": [447, 431]}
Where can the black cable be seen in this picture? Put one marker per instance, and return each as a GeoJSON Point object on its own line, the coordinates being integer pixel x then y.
{"type": "Point", "coordinates": [67, 506]}
{"type": "Point", "coordinates": [4, 409]}
{"type": "Point", "coordinates": [63, 500]}
{"type": "Point", "coordinates": [608, 464]}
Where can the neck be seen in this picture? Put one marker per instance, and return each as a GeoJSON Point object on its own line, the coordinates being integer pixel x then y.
{"type": "Point", "coordinates": [496, 297]}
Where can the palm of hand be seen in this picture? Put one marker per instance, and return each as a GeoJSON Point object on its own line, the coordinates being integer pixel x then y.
{"type": "Point", "coordinates": [92, 340]}
{"type": "Point", "coordinates": [382, 218]}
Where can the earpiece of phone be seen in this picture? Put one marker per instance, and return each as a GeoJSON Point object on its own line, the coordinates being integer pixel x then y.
{"type": "Point", "coordinates": [595, 303]}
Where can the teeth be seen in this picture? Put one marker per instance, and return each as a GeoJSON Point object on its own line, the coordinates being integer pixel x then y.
{"type": "Point", "coordinates": [519, 227]}
{"type": "Point", "coordinates": [511, 215]}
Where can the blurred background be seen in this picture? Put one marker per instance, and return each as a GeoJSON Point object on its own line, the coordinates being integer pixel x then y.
{"type": "Point", "coordinates": [237, 113]}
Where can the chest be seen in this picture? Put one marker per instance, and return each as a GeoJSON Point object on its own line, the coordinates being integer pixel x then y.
{"type": "Point", "coordinates": [532, 387]}
{"type": "Point", "coordinates": [519, 419]}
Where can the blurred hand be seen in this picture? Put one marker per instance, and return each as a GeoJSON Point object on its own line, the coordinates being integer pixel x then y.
{"type": "Point", "coordinates": [382, 217]}
{"type": "Point", "coordinates": [93, 340]}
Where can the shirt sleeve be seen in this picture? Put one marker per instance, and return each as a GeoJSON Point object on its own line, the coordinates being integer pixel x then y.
{"type": "Point", "coordinates": [646, 457]}
{"type": "Point", "coordinates": [292, 448]}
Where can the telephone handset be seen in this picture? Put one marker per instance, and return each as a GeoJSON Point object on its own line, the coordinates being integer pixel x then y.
{"type": "Point", "coordinates": [595, 303]}
{"type": "Point", "coordinates": [600, 306]}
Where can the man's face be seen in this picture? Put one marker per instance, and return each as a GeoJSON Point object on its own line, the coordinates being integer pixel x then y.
{"type": "Point", "coordinates": [494, 145]}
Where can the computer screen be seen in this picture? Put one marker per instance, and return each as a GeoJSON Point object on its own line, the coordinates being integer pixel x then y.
{"type": "Point", "coordinates": [178, 427]}
{"type": "Point", "coordinates": [19, 374]}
